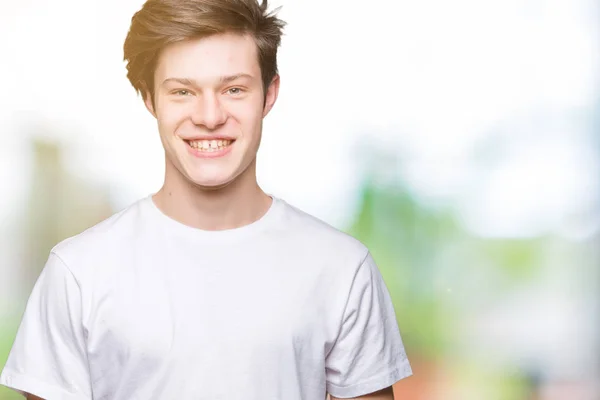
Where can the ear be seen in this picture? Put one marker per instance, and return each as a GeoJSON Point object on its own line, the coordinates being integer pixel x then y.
{"type": "Point", "coordinates": [148, 101]}
{"type": "Point", "coordinates": [271, 96]}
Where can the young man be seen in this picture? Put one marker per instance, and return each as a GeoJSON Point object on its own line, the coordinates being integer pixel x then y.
{"type": "Point", "coordinates": [210, 288]}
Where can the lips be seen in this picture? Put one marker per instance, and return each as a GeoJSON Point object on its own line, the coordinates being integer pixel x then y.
{"type": "Point", "coordinates": [209, 148]}
{"type": "Point", "coordinates": [209, 144]}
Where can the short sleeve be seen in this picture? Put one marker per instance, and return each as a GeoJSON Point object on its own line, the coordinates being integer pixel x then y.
{"type": "Point", "coordinates": [48, 357]}
{"type": "Point", "coordinates": [368, 354]}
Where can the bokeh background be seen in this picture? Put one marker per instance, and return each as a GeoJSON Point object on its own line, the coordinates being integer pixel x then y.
{"type": "Point", "coordinates": [459, 140]}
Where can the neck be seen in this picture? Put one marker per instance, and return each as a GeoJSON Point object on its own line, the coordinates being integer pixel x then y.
{"type": "Point", "coordinates": [237, 204]}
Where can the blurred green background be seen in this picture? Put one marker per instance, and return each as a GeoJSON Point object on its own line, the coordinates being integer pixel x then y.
{"type": "Point", "coordinates": [459, 141]}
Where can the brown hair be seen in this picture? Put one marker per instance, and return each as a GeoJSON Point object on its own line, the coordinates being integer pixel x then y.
{"type": "Point", "coordinates": [163, 22]}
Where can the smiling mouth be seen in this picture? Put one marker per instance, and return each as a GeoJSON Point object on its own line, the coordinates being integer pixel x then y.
{"type": "Point", "coordinates": [209, 146]}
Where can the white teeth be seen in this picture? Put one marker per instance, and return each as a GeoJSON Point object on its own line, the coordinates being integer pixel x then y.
{"type": "Point", "coordinates": [209, 145]}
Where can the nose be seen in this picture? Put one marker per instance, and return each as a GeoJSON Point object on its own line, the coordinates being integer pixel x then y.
{"type": "Point", "coordinates": [209, 112]}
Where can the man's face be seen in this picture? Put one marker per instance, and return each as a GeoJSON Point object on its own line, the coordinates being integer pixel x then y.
{"type": "Point", "coordinates": [209, 104]}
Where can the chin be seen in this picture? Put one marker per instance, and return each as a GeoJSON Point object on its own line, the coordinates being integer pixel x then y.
{"type": "Point", "coordinates": [210, 183]}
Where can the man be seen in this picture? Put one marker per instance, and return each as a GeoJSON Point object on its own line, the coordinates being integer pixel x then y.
{"type": "Point", "coordinates": [210, 288]}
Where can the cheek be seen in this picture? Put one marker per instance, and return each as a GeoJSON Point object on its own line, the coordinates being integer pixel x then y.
{"type": "Point", "coordinates": [248, 117]}
{"type": "Point", "coordinates": [170, 116]}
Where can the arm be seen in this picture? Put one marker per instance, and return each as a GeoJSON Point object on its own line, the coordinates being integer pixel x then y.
{"type": "Point", "coordinates": [384, 394]}
{"type": "Point", "coordinates": [368, 356]}
{"type": "Point", "coordinates": [48, 359]}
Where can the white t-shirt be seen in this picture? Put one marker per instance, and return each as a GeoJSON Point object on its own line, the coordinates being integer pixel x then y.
{"type": "Point", "coordinates": [143, 307]}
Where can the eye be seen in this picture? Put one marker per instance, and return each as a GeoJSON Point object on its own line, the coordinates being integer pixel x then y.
{"type": "Point", "coordinates": [234, 91]}
{"type": "Point", "coordinates": [182, 92]}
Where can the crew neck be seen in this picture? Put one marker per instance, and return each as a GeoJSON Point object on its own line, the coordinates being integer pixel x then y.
{"type": "Point", "coordinates": [175, 227]}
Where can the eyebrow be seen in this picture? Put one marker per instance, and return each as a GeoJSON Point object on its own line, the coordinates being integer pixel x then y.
{"type": "Point", "coordinates": [192, 82]}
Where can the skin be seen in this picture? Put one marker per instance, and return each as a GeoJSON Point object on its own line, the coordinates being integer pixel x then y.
{"type": "Point", "coordinates": [212, 87]}
{"type": "Point", "coordinates": [384, 394]}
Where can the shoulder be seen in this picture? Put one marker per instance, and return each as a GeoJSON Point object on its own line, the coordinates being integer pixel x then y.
{"type": "Point", "coordinates": [101, 240]}
{"type": "Point", "coordinates": [316, 235]}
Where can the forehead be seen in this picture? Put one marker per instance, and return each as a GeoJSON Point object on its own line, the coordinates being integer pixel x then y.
{"type": "Point", "coordinates": [209, 58]}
